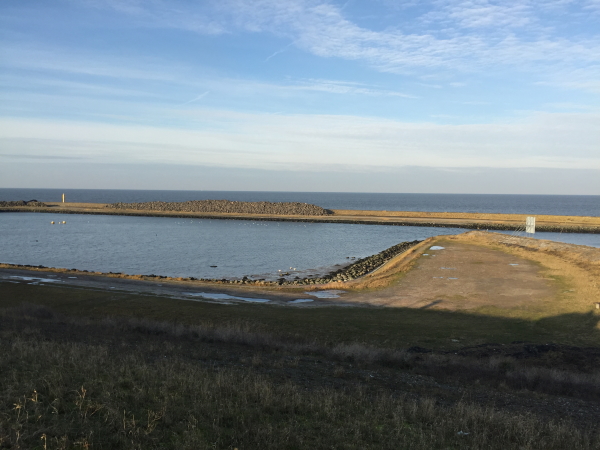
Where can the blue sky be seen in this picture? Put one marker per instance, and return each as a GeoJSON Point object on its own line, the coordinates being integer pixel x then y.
{"type": "Point", "coordinates": [304, 95]}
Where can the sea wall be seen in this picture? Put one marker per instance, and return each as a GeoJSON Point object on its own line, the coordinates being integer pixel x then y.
{"type": "Point", "coordinates": [313, 214]}
{"type": "Point", "coordinates": [227, 206]}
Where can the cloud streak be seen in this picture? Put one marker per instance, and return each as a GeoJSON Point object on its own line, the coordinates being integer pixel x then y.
{"type": "Point", "coordinates": [307, 142]}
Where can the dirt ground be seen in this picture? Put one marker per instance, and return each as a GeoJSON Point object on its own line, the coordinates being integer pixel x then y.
{"type": "Point", "coordinates": [460, 276]}
{"type": "Point", "coordinates": [488, 270]}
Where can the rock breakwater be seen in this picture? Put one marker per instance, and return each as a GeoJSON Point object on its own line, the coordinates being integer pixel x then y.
{"type": "Point", "coordinates": [227, 206]}
{"type": "Point", "coordinates": [33, 203]}
{"type": "Point", "coordinates": [357, 269]}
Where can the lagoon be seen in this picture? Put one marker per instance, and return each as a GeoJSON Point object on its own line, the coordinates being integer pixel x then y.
{"type": "Point", "coordinates": [192, 247]}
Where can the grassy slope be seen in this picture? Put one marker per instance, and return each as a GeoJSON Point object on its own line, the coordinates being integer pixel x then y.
{"type": "Point", "coordinates": [72, 383]}
{"type": "Point", "coordinates": [373, 326]}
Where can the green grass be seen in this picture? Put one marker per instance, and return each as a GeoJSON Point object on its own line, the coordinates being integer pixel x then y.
{"type": "Point", "coordinates": [382, 327]}
{"type": "Point", "coordinates": [77, 384]}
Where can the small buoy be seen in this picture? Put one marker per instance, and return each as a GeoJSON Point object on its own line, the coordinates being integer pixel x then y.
{"type": "Point", "coordinates": [64, 221]}
{"type": "Point", "coordinates": [52, 222]}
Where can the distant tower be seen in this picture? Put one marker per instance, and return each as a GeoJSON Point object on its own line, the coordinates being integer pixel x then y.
{"type": "Point", "coordinates": [63, 198]}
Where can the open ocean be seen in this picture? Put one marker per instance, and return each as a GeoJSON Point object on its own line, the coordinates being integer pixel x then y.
{"type": "Point", "coordinates": [189, 247]}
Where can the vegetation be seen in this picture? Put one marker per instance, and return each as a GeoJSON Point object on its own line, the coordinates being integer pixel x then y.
{"type": "Point", "coordinates": [162, 373]}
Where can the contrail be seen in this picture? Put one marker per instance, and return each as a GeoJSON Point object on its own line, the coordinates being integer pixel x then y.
{"type": "Point", "coordinates": [279, 51]}
{"type": "Point", "coordinates": [197, 98]}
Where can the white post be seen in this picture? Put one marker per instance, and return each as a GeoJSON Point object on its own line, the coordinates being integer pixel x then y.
{"type": "Point", "coordinates": [63, 198]}
{"type": "Point", "coordinates": [530, 225]}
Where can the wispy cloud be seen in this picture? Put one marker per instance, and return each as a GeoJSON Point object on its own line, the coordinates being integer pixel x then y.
{"type": "Point", "coordinates": [309, 142]}
{"type": "Point", "coordinates": [346, 87]}
{"type": "Point", "coordinates": [471, 35]}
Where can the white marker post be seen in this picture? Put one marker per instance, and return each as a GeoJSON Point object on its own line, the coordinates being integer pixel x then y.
{"type": "Point", "coordinates": [63, 198]}
{"type": "Point", "coordinates": [530, 225]}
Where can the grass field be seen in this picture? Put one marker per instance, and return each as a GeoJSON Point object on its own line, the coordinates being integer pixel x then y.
{"type": "Point", "coordinates": [381, 327]}
{"type": "Point", "coordinates": [97, 369]}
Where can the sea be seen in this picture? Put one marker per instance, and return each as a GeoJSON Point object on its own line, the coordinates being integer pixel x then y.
{"type": "Point", "coordinates": [208, 248]}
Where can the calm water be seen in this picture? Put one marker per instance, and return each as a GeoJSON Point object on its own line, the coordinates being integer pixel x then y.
{"type": "Point", "coordinates": [184, 247]}
{"type": "Point", "coordinates": [570, 205]}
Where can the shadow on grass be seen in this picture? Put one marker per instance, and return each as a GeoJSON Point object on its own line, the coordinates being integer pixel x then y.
{"type": "Point", "coordinates": [382, 327]}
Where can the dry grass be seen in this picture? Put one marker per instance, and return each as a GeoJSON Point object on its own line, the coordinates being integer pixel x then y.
{"type": "Point", "coordinates": [58, 392]}
{"type": "Point", "coordinates": [473, 217]}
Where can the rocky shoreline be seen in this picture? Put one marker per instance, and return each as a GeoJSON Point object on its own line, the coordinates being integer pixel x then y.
{"type": "Point", "coordinates": [355, 270]}
{"type": "Point", "coordinates": [228, 207]}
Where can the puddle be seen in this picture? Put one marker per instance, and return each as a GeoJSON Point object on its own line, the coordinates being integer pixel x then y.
{"type": "Point", "coordinates": [425, 254]}
{"type": "Point", "coordinates": [448, 268]}
{"type": "Point", "coordinates": [452, 278]}
{"type": "Point", "coordinates": [326, 294]}
{"type": "Point", "coordinates": [436, 247]}
{"type": "Point", "coordinates": [112, 287]}
{"type": "Point", "coordinates": [438, 277]}
{"type": "Point", "coordinates": [301, 300]}
{"type": "Point", "coordinates": [214, 296]}
{"type": "Point", "coordinates": [36, 279]}
{"type": "Point", "coordinates": [513, 264]}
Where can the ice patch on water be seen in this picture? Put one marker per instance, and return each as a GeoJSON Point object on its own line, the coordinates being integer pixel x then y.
{"type": "Point", "coordinates": [333, 293]}
{"type": "Point", "coordinates": [217, 296]}
{"type": "Point", "coordinates": [36, 279]}
{"type": "Point", "coordinates": [301, 300]}
{"type": "Point", "coordinates": [436, 247]}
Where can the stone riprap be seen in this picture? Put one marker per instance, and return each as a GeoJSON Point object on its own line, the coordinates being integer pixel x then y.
{"type": "Point", "coordinates": [357, 269]}
{"type": "Point", "coordinates": [227, 206]}
{"type": "Point", "coordinates": [22, 203]}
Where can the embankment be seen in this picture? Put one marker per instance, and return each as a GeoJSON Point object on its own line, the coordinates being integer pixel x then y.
{"type": "Point", "coordinates": [302, 212]}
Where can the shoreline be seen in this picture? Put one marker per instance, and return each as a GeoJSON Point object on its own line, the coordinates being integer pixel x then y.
{"type": "Point", "coordinates": [472, 221]}
{"type": "Point", "coordinates": [351, 271]}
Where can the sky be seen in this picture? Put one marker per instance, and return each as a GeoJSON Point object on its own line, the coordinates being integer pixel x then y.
{"type": "Point", "coordinates": [442, 96]}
